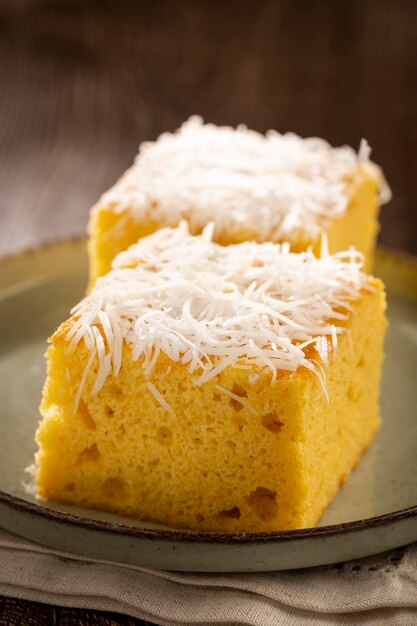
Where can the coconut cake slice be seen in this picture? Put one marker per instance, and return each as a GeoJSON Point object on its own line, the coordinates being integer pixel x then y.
{"type": "Point", "coordinates": [256, 187]}
{"type": "Point", "coordinates": [214, 387]}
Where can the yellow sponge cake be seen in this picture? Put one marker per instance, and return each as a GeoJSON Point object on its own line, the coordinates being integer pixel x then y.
{"type": "Point", "coordinates": [213, 387]}
{"type": "Point", "coordinates": [253, 187]}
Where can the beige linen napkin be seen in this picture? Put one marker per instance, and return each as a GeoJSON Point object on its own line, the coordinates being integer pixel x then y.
{"type": "Point", "coordinates": [376, 591]}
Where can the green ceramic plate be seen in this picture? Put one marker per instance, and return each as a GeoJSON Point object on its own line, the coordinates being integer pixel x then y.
{"type": "Point", "coordinates": [376, 510]}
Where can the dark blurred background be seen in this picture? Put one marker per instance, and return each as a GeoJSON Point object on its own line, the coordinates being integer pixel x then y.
{"type": "Point", "coordinates": [82, 82]}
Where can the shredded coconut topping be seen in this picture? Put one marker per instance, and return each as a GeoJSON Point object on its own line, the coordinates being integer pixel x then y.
{"type": "Point", "coordinates": [254, 306]}
{"type": "Point", "coordinates": [269, 187]}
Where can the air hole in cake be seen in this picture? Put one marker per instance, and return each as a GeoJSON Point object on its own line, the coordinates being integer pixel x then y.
{"type": "Point", "coordinates": [354, 394]}
{"type": "Point", "coordinates": [239, 422]}
{"type": "Point", "coordinates": [236, 405]}
{"type": "Point", "coordinates": [238, 390]}
{"type": "Point", "coordinates": [70, 487]}
{"type": "Point", "coordinates": [114, 390]}
{"type": "Point", "coordinates": [89, 454]}
{"type": "Point", "coordinates": [342, 480]}
{"type": "Point", "coordinates": [231, 444]}
{"type": "Point", "coordinates": [361, 362]}
{"type": "Point", "coordinates": [210, 429]}
{"type": "Point", "coordinates": [199, 518]}
{"type": "Point", "coordinates": [197, 440]}
{"type": "Point", "coordinates": [272, 422]}
{"type": "Point", "coordinates": [233, 513]}
{"type": "Point", "coordinates": [109, 411]}
{"type": "Point", "coordinates": [112, 486]}
{"type": "Point", "coordinates": [263, 502]}
{"type": "Point", "coordinates": [217, 397]}
{"type": "Point", "coordinates": [164, 435]}
{"type": "Point", "coordinates": [84, 413]}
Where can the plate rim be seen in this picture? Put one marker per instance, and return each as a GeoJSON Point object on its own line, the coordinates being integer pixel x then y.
{"type": "Point", "coordinates": [204, 537]}
{"type": "Point", "coordinates": [195, 536]}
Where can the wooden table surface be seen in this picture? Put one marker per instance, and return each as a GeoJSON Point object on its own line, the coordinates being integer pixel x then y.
{"type": "Point", "coordinates": [83, 82]}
